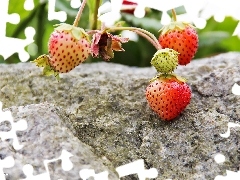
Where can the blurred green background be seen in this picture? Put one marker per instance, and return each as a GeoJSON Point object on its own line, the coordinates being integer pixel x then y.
{"type": "Point", "coordinates": [215, 38]}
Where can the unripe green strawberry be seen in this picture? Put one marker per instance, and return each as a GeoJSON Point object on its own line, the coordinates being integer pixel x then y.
{"type": "Point", "coordinates": [68, 46]}
{"type": "Point", "coordinates": [168, 96]}
{"type": "Point", "coordinates": [165, 60]}
{"type": "Point", "coordinates": [181, 37]}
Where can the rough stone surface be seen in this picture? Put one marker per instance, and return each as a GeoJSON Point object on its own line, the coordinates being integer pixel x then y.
{"type": "Point", "coordinates": [105, 104]}
{"type": "Point", "coordinates": [45, 138]}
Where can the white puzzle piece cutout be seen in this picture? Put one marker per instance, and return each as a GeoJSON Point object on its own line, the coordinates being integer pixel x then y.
{"type": "Point", "coordinates": [236, 88]}
{"type": "Point", "coordinates": [230, 125]}
{"type": "Point", "coordinates": [219, 158]}
{"type": "Point", "coordinates": [87, 173]}
{"type": "Point", "coordinates": [231, 175]}
{"type": "Point", "coordinates": [17, 45]}
{"type": "Point", "coordinates": [52, 14]}
{"type": "Point", "coordinates": [29, 5]}
{"type": "Point", "coordinates": [28, 171]}
{"type": "Point", "coordinates": [7, 162]}
{"type": "Point", "coordinates": [21, 125]}
{"type": "Point", "coordinates": [66, 166]}
{"type": "Point", "coordinates": [137, 167]}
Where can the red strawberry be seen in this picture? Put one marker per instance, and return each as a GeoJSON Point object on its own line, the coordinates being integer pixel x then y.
{"type": "Point", "coordinates": [181, 37]}
{"type": "Point", "coordinates": [68, 47]}
{"type": "Point", "coordinates": [168, 96]}
{"type": "Point", "coordinates": [128, 6]}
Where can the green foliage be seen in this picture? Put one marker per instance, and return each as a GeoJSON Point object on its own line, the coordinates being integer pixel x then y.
{"type": "Point", "coordinates": [217, 38]}
{"type": "Point", "coordinates": [213, 39]}
{"type": "Point", "coordinates": [38, 19]}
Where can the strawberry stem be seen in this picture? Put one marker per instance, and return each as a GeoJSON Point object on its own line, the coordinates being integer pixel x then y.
{"type": "Point", "coordinates": [77, 18]}
{"type": "Point", "coordinates": [174, 15]}
{"type": "Point", "coordinates": [149, 36]}
{"type": "Point", "coordinates": [156, 45]}
{"type": "Point", "coordinates": [95, 15]}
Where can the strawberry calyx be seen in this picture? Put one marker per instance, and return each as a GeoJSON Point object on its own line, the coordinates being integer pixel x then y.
{"type": "Point", "coordinates": [77, 32]}
{"type": "Point", "coordinates": [170, 76]}
{"type": "Point", "coordinates": [175, 25]}
{"type": "Point", "coordinates": [43, 61]}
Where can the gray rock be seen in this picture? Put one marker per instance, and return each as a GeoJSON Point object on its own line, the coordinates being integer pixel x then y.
{"type": "Point", "coordinates": [44, 139]}
{"type": "Point", "coordinates": [105, 105]}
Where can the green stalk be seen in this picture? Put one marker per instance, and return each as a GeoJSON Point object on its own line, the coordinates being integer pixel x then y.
{"type": "Point", "coordinates": [95, 15]}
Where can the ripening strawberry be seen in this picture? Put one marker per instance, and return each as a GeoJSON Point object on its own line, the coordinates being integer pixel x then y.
{"type": "Point", "coordinates": [182, 37]}
{"type": "Point", "coordinates": [68, 46]}
{"type": "Point", "coordinates": [165, 60]}
{"type": "Point", "coordinates": [168, 96]}
{"type": "Point", "coordinates": [128, 6]}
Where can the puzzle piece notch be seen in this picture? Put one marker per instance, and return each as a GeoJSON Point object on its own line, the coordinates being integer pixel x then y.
{"type": "Point", "coordinates": [12, 45]}
{"type": "Point", "coordinates": [28, 171]}
{"type": "Point", "coordinates": [87, 173]}
{"type": "Point", "coordinates": [28, 5]}
{"type": "Point", "coordinates": [21, 125]}
{"type": "Point", "coordinates": [66, 166]}
{"type": "Point", "coordinates": [75, 3]}
{"type": "Point", "coordinates": [219, 158]}
{"type": "Point", "coordinates": [237, 32]}
{"type": "Point", "coordinates": [236, 87]}
{"type": "Point", "coordinates": [231, 175]}
{"type": "Point", "coordinates": [13, 18]}
{"type": "Point", "coordinates": [52, 14]}
{"type": "Point", "coordinates": [230, 125]}
{"type": "Point", "coordinates": [137, 167]}
{"type": "Point", "coordinates": [7, 162]}
{"type": "Point", "coordinates": [9, 45]}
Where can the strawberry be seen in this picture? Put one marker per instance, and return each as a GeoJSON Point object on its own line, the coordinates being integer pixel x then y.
{"type": "Point", "coordinates": [68, 47]}
{"type": "Point", "coordinates": [182, 37]}
{"type": "Point", "coordinates": [128, 6]}
{"type": "Point", "coordinates": [165, 60]}
{"type": "Point", "coordinates": [168, 96]}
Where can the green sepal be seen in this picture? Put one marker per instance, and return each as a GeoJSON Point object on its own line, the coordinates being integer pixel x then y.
{"type": "Point", "coordinates": [48, 71]}
{"type": "Point", "coordinates": [180, 78]}
{"type": "Point", "coordinates": [168, 76]}
{"type": "Point", "coordinates": [63, 26]}
{"type": "Point", "coordinates": [43, 61]}
{"type": "Point", "coordinates": [180, 25]}
{"type": "Point", "coordinates": [77, 32]}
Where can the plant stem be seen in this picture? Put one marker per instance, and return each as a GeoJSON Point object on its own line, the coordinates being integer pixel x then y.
{"type": "Point", "coordinates": [77, 18]}
{"type": "Point", "coordinates": [174, 15]}
{"type": "Point", "coordinates": [149, 36]}
{"type": "Point", "coordinates": [95, 15]}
